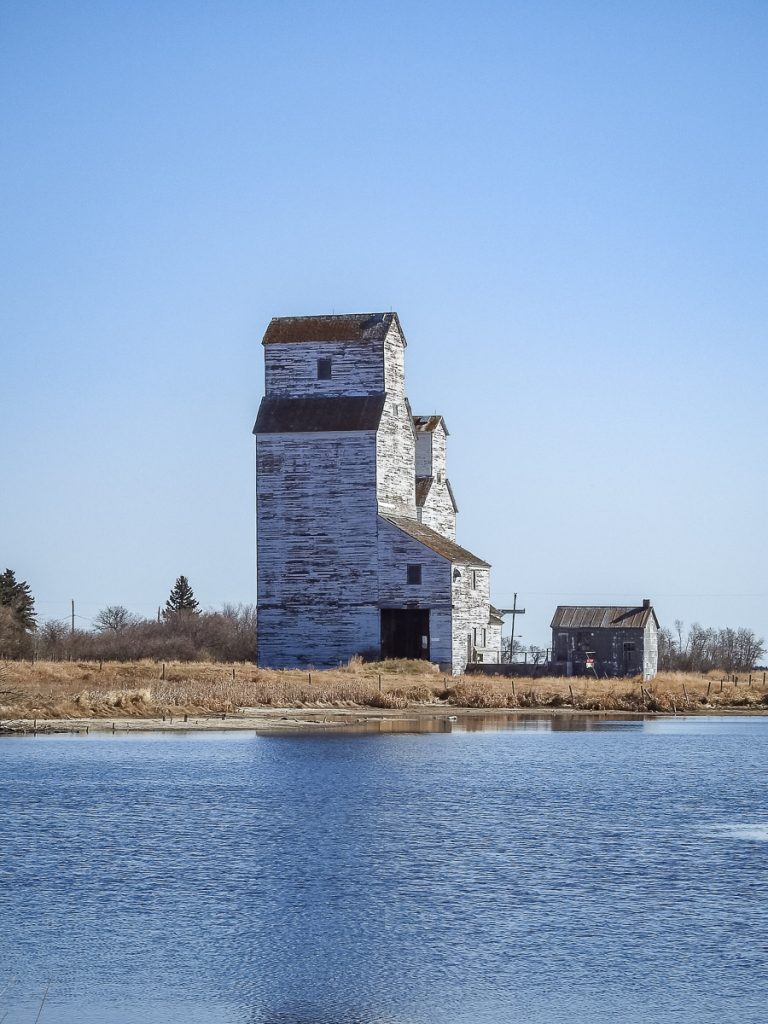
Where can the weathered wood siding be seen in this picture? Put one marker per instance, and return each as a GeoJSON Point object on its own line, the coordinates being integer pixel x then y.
{"type": "Point", "coordinates": [317, 549]}
{"type": "Point", "coordinates": [290, 369]}
{"type": "Point", "coordinates": [569, 646]}
{"type": "Point", "coordinates": [327, 563]}
{"type": "Point", "coordinates": [437, 511]}
{"type": "Point", "coordinates": [471, 613]}
{"type": "Point", "coordinates": [395, 442]}
{"type": "Point", "coordinates": [396, 551]}
{"type": "Point", "coordinates": [650, 649]}
{"type": "Point", "coordinates": [423, 453]}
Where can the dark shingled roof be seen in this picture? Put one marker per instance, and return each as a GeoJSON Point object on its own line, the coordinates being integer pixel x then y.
{"type": "Point", "coordinates": [601, 617]}
{"type": "Point", "coordinates": [353, 327]}
{"type": "Point", "coordinates": [436, 541]}
{"type": "Point", "coordinates": [294, 415]}
{"type": "Point", "coordinates": [426, 424]}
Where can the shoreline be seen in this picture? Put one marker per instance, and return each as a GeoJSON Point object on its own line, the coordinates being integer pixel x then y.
{"type": "Point", "coordinates": [416, 719]}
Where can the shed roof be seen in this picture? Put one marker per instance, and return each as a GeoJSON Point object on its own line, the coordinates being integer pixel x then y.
{"type": "Point", "coordinates": [428, 424]}
{"type": "Point", "coordinates": [436, 541]}
{"type": "Point", "coordinates": [351, 327]}
{"type": "Point", "coordinates": [569, 616]}
{"type": "Point", "coordinates": [296, 415]}
{"type": "Point", "coordinates": [424, 486]}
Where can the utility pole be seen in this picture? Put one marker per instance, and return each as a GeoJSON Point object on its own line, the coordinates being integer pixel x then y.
{"type": "Point", "coordinates": [513, 611]}
{"type": "Point", "coordinates": [73, 616]}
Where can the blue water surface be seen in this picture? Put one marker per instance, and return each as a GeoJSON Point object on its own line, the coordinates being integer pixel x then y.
{"type": "Point", "coordinates": [612, 874]}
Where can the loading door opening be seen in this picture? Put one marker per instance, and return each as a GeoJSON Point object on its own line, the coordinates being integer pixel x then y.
{"type": "Point", "coordinates": [405, 633]}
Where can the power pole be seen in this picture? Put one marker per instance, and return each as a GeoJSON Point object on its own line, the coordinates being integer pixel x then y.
{"type": "Point", "coordinates": [513, 611]}
{"type": "Point", "coordinates": [73, 616]}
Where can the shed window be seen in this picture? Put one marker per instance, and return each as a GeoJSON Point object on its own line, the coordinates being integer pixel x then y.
{"type": "Point", "coordinates": [414, 574]}
{"type": "Point", "coordinates": [323, 369]}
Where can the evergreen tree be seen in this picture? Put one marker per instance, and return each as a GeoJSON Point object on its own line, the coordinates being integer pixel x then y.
{"type": "Point", "coordinates": [181, 598]}
{"type": "Point", "coordinates": [16, 595]}
{"type": "Point", "coordinates": [17, 616]}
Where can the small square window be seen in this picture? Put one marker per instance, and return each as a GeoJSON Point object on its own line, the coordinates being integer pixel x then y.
{"type": "Point", "coordinates": [414, 574]}
{"type": "Point", "coordinates": [323, 369]}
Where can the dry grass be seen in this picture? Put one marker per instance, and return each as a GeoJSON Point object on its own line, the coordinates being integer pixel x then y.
{"type": "Point", "coordinates": [61, 690]}
{"type": "Point", "coordinates": [669, 692]}
{"type": "Point", "coordinates": [146, 689]}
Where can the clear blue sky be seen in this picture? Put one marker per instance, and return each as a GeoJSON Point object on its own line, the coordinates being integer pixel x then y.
{"type": "Point", "coordinates": [565, 202]}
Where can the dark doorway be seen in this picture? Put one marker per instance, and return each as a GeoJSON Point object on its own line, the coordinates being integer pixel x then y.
{"type": "Point", "coordinates": [405, 633]}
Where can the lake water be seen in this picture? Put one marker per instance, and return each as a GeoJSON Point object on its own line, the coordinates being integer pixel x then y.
{"type": "Point", "coordinates": [610, 873]}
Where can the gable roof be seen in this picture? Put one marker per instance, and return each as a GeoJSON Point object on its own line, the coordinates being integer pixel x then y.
{"type": "Point", "coordinates": [569, 616]}
{"type": "Point", "coordinates": [435, 541]}
{"type": "Point", "coordinates": [428, 424]}
{"type": "Point", "coordinates": [351, 327]}
{"type": "Point", "coordinates": [296, 415]}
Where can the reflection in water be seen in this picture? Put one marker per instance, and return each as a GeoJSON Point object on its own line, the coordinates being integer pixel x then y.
{"type": "Point", "coordinates": [528, 868]}
{"type": "Point", "coordinates": [494, 721]}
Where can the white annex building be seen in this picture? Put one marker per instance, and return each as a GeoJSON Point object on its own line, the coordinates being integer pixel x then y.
{"type": "Point", "coordinates": [356, 518]}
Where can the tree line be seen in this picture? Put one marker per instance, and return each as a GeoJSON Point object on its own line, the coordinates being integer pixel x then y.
{"type": "Point", "coordinates": [181, 632]}
{"type": "Point", "coordinates": [703, 648]}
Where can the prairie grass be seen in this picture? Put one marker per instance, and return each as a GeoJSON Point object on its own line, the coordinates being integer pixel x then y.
{"type": "Point", "coordinates": [668, 692]}
{"type": "Point", "coordinates": [148, 689]}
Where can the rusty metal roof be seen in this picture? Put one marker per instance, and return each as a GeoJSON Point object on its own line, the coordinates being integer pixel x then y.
{"type": "Point", "coordinates": [436, 541]}
{"type": "Point", "coordinates": [296, 415]}
{"type": "Point", "coordinates": [351, 327]}
{"type": "Point", "coordinates": [601, 617]}
{"type": "Point", "coordinates": [427, 424]}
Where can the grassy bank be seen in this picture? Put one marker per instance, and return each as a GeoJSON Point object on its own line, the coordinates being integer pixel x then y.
{"type": "Point", "coordinates": [146, 689]}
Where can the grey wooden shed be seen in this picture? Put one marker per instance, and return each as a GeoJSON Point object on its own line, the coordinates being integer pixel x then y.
{"type": "Point", "coordinates": [605, 640]}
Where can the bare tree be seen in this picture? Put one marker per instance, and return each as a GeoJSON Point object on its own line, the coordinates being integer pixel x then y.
{"type": "Point", "coordinates": [114, 617]}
